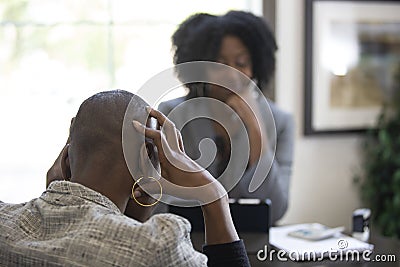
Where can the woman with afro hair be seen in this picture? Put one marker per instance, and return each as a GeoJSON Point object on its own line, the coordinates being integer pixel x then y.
{"type": "Point", "coordinates": [245, 43]}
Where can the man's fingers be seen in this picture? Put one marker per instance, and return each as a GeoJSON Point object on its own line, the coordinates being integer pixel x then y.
{"type": "Point", "coordinates": [162, 120]}
{"type": "Point", "coordinates": [158, 138]}
{"type": "Point", "coordinates": [138, 192]}
{"type": "Point", "coordinates": [180, 142]}
{"type": "Point", "coordinates": [148, 132]}
{"type": "Point", "coordinates": [168, 128]}
{"type": "Point", "coordinates": [148, 187]}
{"type": "Point", "coordinates": [157, 115]}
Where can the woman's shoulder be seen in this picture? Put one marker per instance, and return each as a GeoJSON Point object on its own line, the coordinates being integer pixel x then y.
{"type": "Point", "coordinates": [276, 110]}
{"type": "Point", "coordinates": [282, 118]}
{"type": "Point", "coordinates": [166, 106]}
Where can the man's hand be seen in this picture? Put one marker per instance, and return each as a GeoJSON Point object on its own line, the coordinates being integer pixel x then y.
{"type": "Point", "coordinates": [55, 172]}
{"type": "Point", "coordinates": [176, 166]}
{"type": "Point", "coordinates": [181, 170]}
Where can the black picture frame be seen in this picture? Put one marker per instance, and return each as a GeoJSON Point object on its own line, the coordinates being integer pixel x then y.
{"type": "Point", "coordinates": [320, 12]}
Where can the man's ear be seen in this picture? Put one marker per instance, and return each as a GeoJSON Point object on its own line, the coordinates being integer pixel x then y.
{"type": "Point", "coordinates": [72, 123]}
{"type": "Point", "coordinates": [65, 164]}
{"type": "Point", "coordinates": [70, 128]}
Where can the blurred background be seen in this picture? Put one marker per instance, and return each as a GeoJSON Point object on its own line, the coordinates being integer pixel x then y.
{"type": "Point", "coordinates": [56, 53]}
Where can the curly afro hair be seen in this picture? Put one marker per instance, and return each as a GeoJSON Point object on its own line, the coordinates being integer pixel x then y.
{"type": "Point", "coordinates": [199, 38]}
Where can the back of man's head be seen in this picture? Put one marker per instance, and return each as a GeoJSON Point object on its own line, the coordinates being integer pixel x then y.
{"type": "Point", "coordinates": [96, 132]}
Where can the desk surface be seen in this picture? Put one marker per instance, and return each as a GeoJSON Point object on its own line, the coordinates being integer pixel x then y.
{"type": "Point", "coordinates": [255, 242]}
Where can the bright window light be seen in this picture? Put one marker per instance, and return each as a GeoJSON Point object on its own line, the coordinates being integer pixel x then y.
{"type": "Point", "coordinates": [56, 53]}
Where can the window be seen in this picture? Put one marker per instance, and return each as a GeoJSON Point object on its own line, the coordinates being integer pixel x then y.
{"type": "Point", "coordinates": [56, 53]}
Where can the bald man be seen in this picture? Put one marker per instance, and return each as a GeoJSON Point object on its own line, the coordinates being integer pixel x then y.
{"type": "Point", "coordinates": [79, 220]}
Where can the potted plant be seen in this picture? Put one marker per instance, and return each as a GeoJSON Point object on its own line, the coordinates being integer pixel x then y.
{"type": "Point", "coordinates": [380, 178]}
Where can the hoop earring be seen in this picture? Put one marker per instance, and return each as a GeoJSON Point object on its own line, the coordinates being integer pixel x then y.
{"type": "Point", "coordinates": [141, 204]}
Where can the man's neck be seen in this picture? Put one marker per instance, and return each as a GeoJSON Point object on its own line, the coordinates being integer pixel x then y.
{"type": "Point", "coordinates": [111, 188]}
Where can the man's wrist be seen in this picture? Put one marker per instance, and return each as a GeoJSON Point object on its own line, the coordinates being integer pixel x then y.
{"type": "Point", "coordinates": [211, 192]}
{"type": "Point", "coordinates": [218, 222]}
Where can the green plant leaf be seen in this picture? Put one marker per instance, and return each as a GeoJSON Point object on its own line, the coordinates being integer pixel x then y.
{"type": "Point", "coordinates": [379, 182]}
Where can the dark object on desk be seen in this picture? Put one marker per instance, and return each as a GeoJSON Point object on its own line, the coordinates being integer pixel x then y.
{"type": "Point", "coordinates": [249, 215]}
{"type": "Point", "coordinates": [252, 219]}
{"type": "Point", "coordinates": [361, 224]}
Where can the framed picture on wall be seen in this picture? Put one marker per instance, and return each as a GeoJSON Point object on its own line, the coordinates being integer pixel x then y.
{"type": "Point", "coordinates": [352, 54]}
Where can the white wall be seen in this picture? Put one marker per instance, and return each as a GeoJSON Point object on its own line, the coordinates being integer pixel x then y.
{"type": "Point", "coordinates": [322, 188]}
